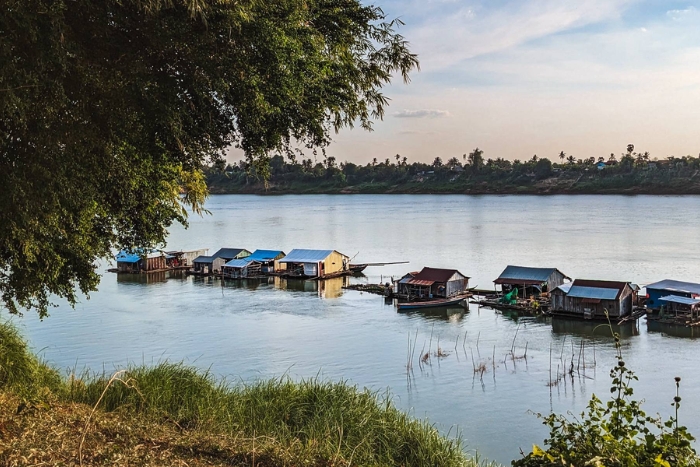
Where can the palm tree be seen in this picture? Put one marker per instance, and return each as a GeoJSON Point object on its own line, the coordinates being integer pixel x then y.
{"type": "Point", "coordinates": [404, 160]}
{"type": "Point", "coordinates": [571, 159]}
{"type": "Point", "coordinates": [398, 156]}
{"type": "Point", "coordinates": [476, 158]}
{"type": "Point", "coordinates": [562, 156]}
{"type": "Point", "coordinates": [612, 157]}
{"type": "Point", "coordinates": [374, 161]}
{"type": "Point", "coordinates": [534, 158]}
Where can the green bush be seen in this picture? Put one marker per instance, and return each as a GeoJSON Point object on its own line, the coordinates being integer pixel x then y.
{"type": "Point", "coordinates": [615, 434]}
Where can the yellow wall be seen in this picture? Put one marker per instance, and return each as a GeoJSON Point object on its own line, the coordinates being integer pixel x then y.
{"type": "Point", "coordinates": [334, 263]}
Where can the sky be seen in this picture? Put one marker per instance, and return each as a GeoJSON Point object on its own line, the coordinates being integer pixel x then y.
{"type": "Point", "coordinates": [524, 77]}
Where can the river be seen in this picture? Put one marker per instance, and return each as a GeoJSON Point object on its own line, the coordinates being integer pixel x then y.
{"type": "Point", "coordinates": [248, 331]}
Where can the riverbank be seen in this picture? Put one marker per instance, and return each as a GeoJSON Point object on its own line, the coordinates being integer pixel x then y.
{"type": "Point", "coordinates": [549, 186]}
{"type": "Point", "coordinates": [171, 414]}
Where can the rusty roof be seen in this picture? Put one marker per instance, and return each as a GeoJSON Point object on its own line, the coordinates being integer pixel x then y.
{"type": "Point", "coordinates": [419, 282]}
{"type": "Point", "coordinates": [437, 275]}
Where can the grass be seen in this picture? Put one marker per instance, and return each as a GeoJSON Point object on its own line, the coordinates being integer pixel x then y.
{"type": "Point", "coordinates": [172, 413]}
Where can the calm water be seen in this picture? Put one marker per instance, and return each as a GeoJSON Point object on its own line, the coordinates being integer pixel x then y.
{"type": "Point", "coordinates": [254, 330]}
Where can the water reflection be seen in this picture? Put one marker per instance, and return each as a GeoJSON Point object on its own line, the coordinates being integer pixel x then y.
{"type": "Point", "coordinates": [454, 314]}
{"type": "Point", "coordinates": [583, 328]}
{"type": "Point", "coordinates": [674, 330]}
{"type": "Point", "coordinates": [149, 278]}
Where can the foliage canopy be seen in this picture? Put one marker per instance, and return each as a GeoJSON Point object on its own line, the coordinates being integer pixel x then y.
{"type": "Point", "coordinates": [110, 108]}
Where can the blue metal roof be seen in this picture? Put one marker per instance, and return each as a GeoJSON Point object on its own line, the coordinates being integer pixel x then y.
{"type": "Point", "coordinates": [526, 273]}
{"type": "Point", "coordinates": [682, 300]}
{"type": "Point", "coordinates": [238, 263]}
{"type": "Point", "coordinates": [579, 291]}
{"type": "Point", "coordinates": [306, 256]}
{"type": "Point", "coordinates": [675, 286]}
{"type": "Point", "coordinates": [265, 255]}
{"type": "Point", "coordinates": [565, 287]}
{"type": "Point", "coordinates": [125, 256]}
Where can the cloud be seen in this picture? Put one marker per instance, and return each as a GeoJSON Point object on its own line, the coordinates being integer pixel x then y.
{"type": "Point", "coordinates": [678, 15]}
{"type": "Point", "coordinates": [422, 113]}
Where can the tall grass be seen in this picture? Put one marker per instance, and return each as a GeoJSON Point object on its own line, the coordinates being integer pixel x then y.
{"type": "Point", "coordinates": [20, 370]}
{"type": "Point", "coordinates": [333, 423]}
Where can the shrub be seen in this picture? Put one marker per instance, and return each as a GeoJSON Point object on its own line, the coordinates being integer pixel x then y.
{"type": "Point", "coordinates": [615, 434]}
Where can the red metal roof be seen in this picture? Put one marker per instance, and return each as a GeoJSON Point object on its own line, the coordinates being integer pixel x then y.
{"type": "Point", "coordinates": [419, 282]}
{"type": "Point", "coordinates": [436, 274]}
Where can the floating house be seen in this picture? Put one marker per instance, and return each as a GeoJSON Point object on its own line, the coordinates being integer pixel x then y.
{"type": "Point", "coordinates": [260, 263]}
{"type": "Point", "coordinates": [590, 299]}
{"type": "Point", "coordinates": [182, 259]}
{"type": "Point", "coordinates": [668, 291]}
{"type": "Point", "coordinates": [214, 263]}
{"type": "Point", "coordinates": [433, 283]}
{"type": "Point", "coordinates": [140, 261]}
{"type": "Point", "coordinates": [530, 281]}
{"type": "Point", "coordinates": [314, 264]}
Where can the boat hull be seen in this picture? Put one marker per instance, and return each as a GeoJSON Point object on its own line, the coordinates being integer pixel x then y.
{"type": "Point", "coordinates": [441, 302]}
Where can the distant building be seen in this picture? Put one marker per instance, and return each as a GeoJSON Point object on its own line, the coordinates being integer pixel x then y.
{"type": "Point", "coordinates": [530, 281]}
{"type": "Point", "coordinates": [658, 293]}
{"type": "Point", "coordinates": [590, 299]}
{"type": "Point", "coordinates": [140, 261]}
{"type": "Point", "coordinates": [314, 263]}
{"type": "Point", "coordinates": [260, 263]}
{"type": "Point", "coordinates": [601, 165]}
{"type": "Point", "coordinates": [213, 264]}
{"type": "Point", "coordinates": [433, 283]}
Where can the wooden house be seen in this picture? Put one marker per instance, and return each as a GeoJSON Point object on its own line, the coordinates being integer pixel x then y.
{"type": "Point", "coordinates": [214, 263]}
{"type": "Point", "coordinates": [433, 283]}
{"type": "Point", "coordinates": [590, 299]}
{"type": "Point", "coordinates": [314, 263]}
{"type": "Point", "coordinates": [658, 292]}
{"type": "Point", "coordinates": [140, 261]}
{"type": "Point", "coordinates": [260, 263]}
{"type": "Point", "coordinates": [530, 281]}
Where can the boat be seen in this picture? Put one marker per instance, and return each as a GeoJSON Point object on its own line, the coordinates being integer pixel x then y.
{"type": "Point", "coordinates": [355, 268]}
{"type": "Point", "coordinates": [437, 302]}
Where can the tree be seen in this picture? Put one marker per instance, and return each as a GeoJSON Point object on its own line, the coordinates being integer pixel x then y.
{"type": "Point", "coordinates": [109, 110]}
{"type": "Point", "coordinates": [571, 160]}
{"type": "Point", "coordinates": [562, 156]}
{"type": "Point", "coordinates": [476, 159]}
{"type": "Point", "coordinates": [437, 162]}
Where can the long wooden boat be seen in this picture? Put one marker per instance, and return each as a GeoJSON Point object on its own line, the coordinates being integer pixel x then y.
{"type": "Point", "coordinates": [353, 268]}
{"type": "Point", "coordinates": [437, 302]}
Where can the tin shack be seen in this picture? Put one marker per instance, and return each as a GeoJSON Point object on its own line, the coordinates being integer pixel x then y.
{"type": "Point", "coordinates": [530, 281]}
{"type": "Point", "coordinates": [213, 264]}
{"type": "Point", "coordinates": [260, 263]}
{"type": "Point", "coordinates": [658, 292]}
{"type": "Point", "coordinates": [314, 264]}
{"type": "Point", "coordinates": [140, 261]}
{"type": "Point", "coordinates": [433, 283]}
{"type": "Point", "coordinates": [589, 299]}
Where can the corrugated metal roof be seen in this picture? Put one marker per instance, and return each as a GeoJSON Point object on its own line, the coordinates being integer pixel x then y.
{"type": "Point", "coordinates": [203, 259]}
{"type": "Point", "coordinates": [437, 274]}
{"type": "Point", "coordinates": [678, 286]}
{"type": "Point", "coordinates": [565, 287]}
{"type": "Point", "coordinates": [125, 256]}
{"type": "Point", "coordinates": [679, 299]}
{"type": "Point", "coordinates": [420, 282]}
{"type": "Point", "coordinates": [578, 291]}
{"type": "Point", "coordinates": [238, 263]}
{"type": "Point", "coordinates": [228, 253]}
{"type": "Point", "coordinates": [306, 256]}
{"type": "Point", "coordinates": [524, 275]}
{"type": "Point", "coordinates": [265, 255]}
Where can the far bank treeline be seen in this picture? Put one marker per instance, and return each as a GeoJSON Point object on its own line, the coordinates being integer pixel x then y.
{"type": "Point", "coordinates": [630, 172]}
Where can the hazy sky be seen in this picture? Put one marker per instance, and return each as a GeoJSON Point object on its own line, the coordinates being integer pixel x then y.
{"type": "Point", "coordinates": [524, 77]}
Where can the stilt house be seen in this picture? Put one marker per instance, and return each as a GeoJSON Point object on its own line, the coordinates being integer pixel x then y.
{"type": "Point", "coordinates": [661, 293]}
{"type": "Point", "coordinates": [260, 263]}
{"type": "Point", "coordinates": [590, 299]}
{"type": "Point", "coordinates": [213, 264]}
{"type": "Point", "coordinates": [530, 281]}
{"type": "Point", "coordinates": [433, 283]}
{"type": "Point", "coordinates": [140, 261]}
{"type": "Point", "coordinates": [314, 263]}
